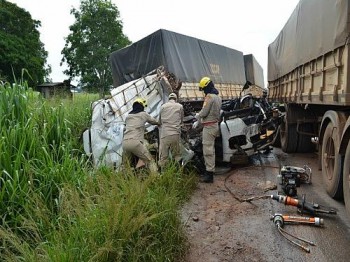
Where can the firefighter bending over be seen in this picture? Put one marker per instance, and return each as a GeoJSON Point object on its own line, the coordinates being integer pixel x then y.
{"type": "Point", "coordinates": [133, 141]}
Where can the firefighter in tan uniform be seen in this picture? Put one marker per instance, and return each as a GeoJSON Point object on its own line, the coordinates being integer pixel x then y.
{"type": "Point", "coordinates": [209, 117]}
{"type": "Point", "coordinates": [171, 119]}
{"type": "Point", "coordinates": [133, 141]}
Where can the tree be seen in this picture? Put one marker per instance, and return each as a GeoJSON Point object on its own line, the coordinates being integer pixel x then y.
{"type": "Point", "coordinates": [96, 33]}
{"type": "Point", "coordinates": [20, 46]}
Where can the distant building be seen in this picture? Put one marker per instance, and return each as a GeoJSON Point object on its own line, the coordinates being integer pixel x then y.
{"type": "Point", "coordinates": [57, 89]}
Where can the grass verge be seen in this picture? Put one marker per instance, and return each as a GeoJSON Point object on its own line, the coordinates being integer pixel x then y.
{"type": "Point", "coordinates": [55, 207]}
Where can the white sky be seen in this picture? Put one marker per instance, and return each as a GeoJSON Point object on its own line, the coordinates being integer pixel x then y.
{"type": "Point", "coordinates": [248, 26]}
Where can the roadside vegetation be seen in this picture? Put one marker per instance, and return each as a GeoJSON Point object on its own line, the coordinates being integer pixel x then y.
{"type": "Point", "coordinates": [55, 206]}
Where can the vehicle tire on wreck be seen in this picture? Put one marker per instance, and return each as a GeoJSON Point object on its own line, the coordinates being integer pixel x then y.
{"type": "Point", "coordinates": [332, 162]}
{"type": "Point", "coordinates": [288, 132]}
{"type": "Point", "coordinates": [346, 180]}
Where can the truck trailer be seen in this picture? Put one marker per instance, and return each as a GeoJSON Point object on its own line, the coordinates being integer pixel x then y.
{"type": "Point", "coordinates": [188, 59]}
{"type": "Point", "coordinates": [309, 76]}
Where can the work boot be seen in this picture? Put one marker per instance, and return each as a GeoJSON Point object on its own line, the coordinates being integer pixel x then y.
{"type": "Point", "coordinates": [153, 167]}
{"type": "Point", "coordinates": [208, 177]}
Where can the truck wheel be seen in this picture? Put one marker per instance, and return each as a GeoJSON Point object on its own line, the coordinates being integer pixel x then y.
{"type": "Point", "coordinates": [304, 142]}
{"type": "Point", "coordinates": [346, 180]}
{"type": "Point", "coordinates": [332, 162]}
{"type": "Point", "coordinates": [288, 133]}
{"type": "Point", "coordinates": [289, 138]}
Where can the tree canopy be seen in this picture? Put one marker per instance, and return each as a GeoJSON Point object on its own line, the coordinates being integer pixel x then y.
{"type": "Point", "coordinates": [96, 32]}
{"type": "Point", "coordinates": [20, 46]}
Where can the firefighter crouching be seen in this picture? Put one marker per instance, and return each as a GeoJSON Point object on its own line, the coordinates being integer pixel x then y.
{"type": "Point", "coordinates": [133, 141]}
{"type": "Point", "coordinates": [171, 119]}
{"type": "Point", "coordinates": [209, 117]}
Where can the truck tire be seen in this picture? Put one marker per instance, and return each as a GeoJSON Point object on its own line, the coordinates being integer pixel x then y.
{"type": "Point", "coordinates": [304, 141]}
{"type": "Point", "coordinates": [289, 138]}
{"type": "Point", "coordinates": [332, 162]}
{"type": "Point", "coordinates": [346, 180]}
{"type": "Point", "coordinates": [288, 133]}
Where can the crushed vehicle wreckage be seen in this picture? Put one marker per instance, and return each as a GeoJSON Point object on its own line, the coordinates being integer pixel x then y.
{"type": "Point", "coordinates": [166, 62]}
{"type": "Point", "coordinates": [248, 124]}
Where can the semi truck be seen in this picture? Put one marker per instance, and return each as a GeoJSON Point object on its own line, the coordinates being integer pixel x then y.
{"type": "Point", "coordinates": [309, 77]}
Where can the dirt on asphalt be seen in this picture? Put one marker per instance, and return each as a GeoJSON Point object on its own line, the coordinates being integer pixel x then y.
{"type": "Point", "coordinates": [223, 226]}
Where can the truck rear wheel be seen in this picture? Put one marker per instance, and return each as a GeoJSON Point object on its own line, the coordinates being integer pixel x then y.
{"type": "Point", "coordinates": [304, 141]}
{"type": "Point", "coordinates": [346, 180]}
{"type": "Point", "coordinates": [332, 162]}
{"type": "Point", "coordinates": [288, 133]}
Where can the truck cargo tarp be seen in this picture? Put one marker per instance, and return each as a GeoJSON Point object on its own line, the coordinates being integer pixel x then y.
{"type": "Point", "coordinates": [315, 27]}
{"type": "Point", "coordinates": [188, 58]}
{"type": "Point", "coordinates": [253, 71]}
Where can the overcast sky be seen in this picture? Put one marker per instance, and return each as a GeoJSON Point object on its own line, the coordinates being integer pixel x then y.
{"type": "Point", "coordinates": [248, 26]}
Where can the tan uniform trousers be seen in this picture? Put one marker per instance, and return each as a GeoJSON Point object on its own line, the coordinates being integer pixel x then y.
{"type": "Point", "coordinates": [169, 144]}
{"type": "Point", "coordinates": [136, 147]}
{"type": "Point", "coordinates": [209, 134]}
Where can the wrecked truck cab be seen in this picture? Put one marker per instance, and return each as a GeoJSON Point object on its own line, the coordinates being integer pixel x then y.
{"type": "Point", "coordinates": [249, 127]}
{"type": "Point", "coordinates": [103, 140]}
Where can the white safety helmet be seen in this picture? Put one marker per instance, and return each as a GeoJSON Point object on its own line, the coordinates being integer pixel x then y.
{"type": "Point", "coordinates": [172, 96]}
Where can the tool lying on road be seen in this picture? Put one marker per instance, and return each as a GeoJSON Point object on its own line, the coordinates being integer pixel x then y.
{"type": "Point", "coordinates": [304, 206]}
{"type": "Point", "coordinates": [287, 219]}
{"type": "Point", "coordinates": [279, 220]}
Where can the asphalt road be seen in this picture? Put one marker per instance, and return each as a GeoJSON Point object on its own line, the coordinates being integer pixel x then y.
{"type": "Point", "coordinates": [222, 227]}
{"type": "Point", "coordinates": [333, 240]}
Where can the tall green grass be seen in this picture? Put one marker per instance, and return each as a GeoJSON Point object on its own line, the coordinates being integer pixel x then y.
{"type": "Point", "coordinates": [77, 112]}
{"type": "Point", "coordinates": [55, 207]}
{"type": "Point", "coordinates": [36, 152]}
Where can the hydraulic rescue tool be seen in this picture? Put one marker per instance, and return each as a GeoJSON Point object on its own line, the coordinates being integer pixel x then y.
{"type": "Point", "coordinates": [303, 206]}
{"type": "Point", "coordinates": [288, 219]}
{"type": "Point", "coordinates": [280, 220]}
{"type": "Point", "coordinates": [290, 177]}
